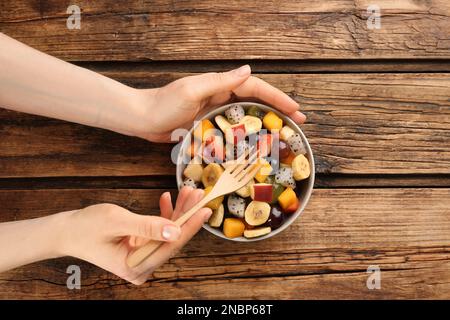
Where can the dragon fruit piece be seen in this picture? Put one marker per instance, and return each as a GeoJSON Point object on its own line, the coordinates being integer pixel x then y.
{"type": "Point", "coordinates": [236, 206]}
{"type": "Point", "coordinates": [188, 182]}
{"type": "Point", "coordinates": [234, 114]}
{"type": "Point", "coordinates": [285, 177]}
{"type": "Point", "coordinates": [296, 144]}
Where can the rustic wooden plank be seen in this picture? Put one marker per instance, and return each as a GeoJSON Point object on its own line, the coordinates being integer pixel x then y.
{"type": "Point", "coordinates": [238, 29]}
{"type": "Point", "coordinates": [377, 180]}
{"type": "Point", "coordinates": [324, 254]}
{"type": "Point", "coordinates": [55, 148]}
{"type": "Point", "coordinates": [414, 282]}
{"type": "Point", "coordinates": [357, 124]}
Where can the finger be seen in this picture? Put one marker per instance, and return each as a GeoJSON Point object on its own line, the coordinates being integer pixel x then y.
{"type": "Point", "coordinates": [190, 228]}
{"type": "Point", "coordinates": [208, 84]}
{"type": "Point", "coordinates": [165, 205]}
{"type": "Point", "coordinates": [257, 88]}
{"type": "Point", "coordinates": [150, 227]}
{"type": "Point", "coordinates": [195, 196]}
{"type": "Point", "coordinates": [183, 195]}
{"type": "Point", "coordinates": [298, 117]}
{"type": "Point", "coordinates": [135, 242]}
{"type": "Point", "coordinates": [219, 99]}
{"type": "Point", "coordinates": [168, 250]}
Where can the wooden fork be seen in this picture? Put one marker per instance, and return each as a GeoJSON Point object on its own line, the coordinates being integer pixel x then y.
{"type": "Point", "coordinates": [233, 178]}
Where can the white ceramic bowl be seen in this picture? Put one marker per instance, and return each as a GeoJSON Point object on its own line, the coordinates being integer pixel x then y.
{"type": "Point", "coordinates": [306, 186]}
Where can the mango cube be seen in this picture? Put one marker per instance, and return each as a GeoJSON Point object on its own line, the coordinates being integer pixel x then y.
{"type": "Point", "coordinates": [233, 227]}
{"type": "Point", "coordinates": [204, 130]}
{"type": "Point", "coordinates": [287, 198]}
{"type": "Point", "coordinates": [272, 122]}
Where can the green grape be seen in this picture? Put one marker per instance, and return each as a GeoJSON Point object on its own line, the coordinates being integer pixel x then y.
{"type": "Point", "coordinates": [277, 189]}
{"type": "Point", "coordinates": [256, 112]}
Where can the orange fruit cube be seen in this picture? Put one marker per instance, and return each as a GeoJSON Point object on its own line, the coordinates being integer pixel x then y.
{"type": "Point", "coordinates": [233, 227]}
{"type": "Point", "coordinates": [204, 130]}
{"type": "Point", "coordinates": [287, 198]}
{"type": "Point", "coordinates": [272, 122]}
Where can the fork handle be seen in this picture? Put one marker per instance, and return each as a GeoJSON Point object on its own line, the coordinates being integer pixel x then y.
{"type": "Point", "coordinates": [141, 254]}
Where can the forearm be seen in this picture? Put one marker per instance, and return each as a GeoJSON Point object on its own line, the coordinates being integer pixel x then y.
{"type": "Point", "coordinates": [36, 83]}
{"type": "Point", "coordinates": [27, 241]}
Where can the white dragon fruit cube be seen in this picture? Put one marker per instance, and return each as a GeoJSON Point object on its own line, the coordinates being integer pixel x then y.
{"type": "Point", "coordinates": [285, 177]}
{"type": "Point", "coordinates": [235, 113]}
{"type": "Point", "coordinates": [296, 144]}
{"type": "Point", "coordinates": [236, 206]}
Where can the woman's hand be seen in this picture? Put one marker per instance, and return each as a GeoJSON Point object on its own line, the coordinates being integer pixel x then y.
{"type": "Point", "coordinates": [106, 234]}
{"type": "Point", "coordinates": [36, 83]}
{"type": "Point", "coordinates": [179, 103]}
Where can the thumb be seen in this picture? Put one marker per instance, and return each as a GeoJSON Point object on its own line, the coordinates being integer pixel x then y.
{"type": "Point", "coordinates": [151, 227]}
{"type": "Point", "coordinates": [209, 84]}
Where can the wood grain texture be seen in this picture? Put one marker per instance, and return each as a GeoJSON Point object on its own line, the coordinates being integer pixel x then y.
{"type": "Point", "coordinates": [238, 29]}
{"type": "Point", "coordinates": [357, 124]}
{"type": "Point", "coordinates": [324, 254]}
{"type": "Point", "coordinates": [374, 122]}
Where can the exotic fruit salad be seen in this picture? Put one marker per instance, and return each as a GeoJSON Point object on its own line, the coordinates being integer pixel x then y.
{"type": "Point", "coordinates": [267, 200]}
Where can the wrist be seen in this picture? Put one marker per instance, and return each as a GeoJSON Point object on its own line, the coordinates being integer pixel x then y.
{"type": "Point", "coordinates": [59, 227]}
{"type": "Point", "coordinates": [142, 104]}
{"type": "Point", "coordinates": [122, 109]}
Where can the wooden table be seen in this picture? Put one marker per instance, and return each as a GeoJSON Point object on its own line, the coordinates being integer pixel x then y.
{"type": "Point", "coordinates": [378, 109]}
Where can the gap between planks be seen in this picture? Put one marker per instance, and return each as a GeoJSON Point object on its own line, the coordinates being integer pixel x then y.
{"type": "Point", "coordinates": [322, 181]}
{"type": "Point", "coordinates": [326, 66]}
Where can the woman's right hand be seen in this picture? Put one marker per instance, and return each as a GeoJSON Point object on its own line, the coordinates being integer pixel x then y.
{"type": "Point", "coordinates": [105, 234]}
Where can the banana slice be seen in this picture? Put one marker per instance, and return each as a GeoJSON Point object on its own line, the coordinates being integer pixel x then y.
{"type": "Point", "coordinates": [222, 123]}
{"type": "Point", "coordinates": [257, 213]}
{"type": "Point", "coordinates": [217, 217]}
{"type": "Point", "coordinates": [194, 170]}
{"type": "Point", "coordinates": [300, 167]}
{"type": "Point", "coordinates": [257, 232]}
{"type": "Point", "coordinates": [245, 191]}
{"type": "Point", "coordinates": [252, 124]}
{"type": "Point", "coordinates": [286, 132]}
{"type": "Point", "coordinates": [211, 173]}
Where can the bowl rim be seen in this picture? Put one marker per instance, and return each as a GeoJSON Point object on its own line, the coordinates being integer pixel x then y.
{"type": "Point", "coordinates": [309, 154]}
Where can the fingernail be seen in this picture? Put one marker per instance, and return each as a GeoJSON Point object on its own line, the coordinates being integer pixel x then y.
{"type": "Point", "coordinates": [171, 233]}
{"type": "Point", "coordinates": [208, 215]}
{"type": "Point", "coordinates": [242, 71]}
{"type": "Point", "coordinates": [301, 116]}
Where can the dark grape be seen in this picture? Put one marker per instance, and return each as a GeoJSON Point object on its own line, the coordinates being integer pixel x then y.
{"type": "Point", "coordinates": [284, 150]}
{"type": "Point", "coordinates": [276, 217]}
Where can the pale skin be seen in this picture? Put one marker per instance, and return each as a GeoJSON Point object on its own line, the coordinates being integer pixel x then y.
{"type": "Point", "coordinates": [36, 83]}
